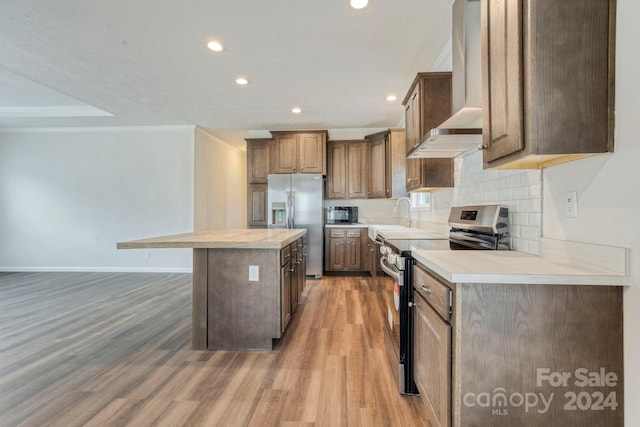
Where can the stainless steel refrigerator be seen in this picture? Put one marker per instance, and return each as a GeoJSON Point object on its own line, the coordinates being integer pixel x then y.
{"type": "Point", "coordinates": [295, 201]}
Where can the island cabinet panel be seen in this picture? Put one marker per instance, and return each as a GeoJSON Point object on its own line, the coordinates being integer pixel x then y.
{"type": "Point", "coordinates": [548, 81]}
{"type": "Point", "coordinates": [243, 314]}
{"type": "Point", "coordinates": [200, 299]}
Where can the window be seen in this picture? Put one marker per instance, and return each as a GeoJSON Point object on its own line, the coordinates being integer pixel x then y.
{"type": "Point", "coordinates": [421, 200]}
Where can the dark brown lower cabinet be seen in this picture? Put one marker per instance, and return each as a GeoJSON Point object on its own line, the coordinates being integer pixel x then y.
{"type": "Point", "coordinates": [504, 355]}
{"type": "Point", "coordinates": [344, 249]}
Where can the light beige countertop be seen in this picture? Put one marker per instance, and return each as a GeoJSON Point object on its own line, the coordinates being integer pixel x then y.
{"type": "Point", "coordinates": [346, 226]}
{"type": "Point", "coordinates": [221, 239]}
{"type": "Point", "coordinates": [602, 266]}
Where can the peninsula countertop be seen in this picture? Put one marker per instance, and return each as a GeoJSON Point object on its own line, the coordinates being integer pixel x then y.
{"type": "Point", "coordinates": [221, 239]}
{"type": "Point", "coordinates": [608, 266]}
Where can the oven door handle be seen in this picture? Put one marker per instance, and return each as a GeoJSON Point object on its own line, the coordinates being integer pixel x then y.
{"type": "Point", "coordinates": [391, 271]}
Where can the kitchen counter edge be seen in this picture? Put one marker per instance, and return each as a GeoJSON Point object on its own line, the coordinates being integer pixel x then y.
{"type": "Point", "coordinates": [220, 239]}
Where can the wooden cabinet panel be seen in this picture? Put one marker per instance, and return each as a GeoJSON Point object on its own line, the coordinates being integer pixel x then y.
{"type": "Point", "coordinates": [386, 164]}
{"type": "Point", "coordinates": [285, 153]}
{"type": "Point", "coordinates": [258, 160]}
{"type": "Point", "coordinates": [344, 249]}
{"type": "Point", "coordinates": [346, 169]}
{"type": "Point", "coordinates": [357, 170]}
{"type": "Point", "coordinates": [378, 165]}
{"type": "Point", "coordinates": [336, 170]}
{"type": "Point", "coordinates": [427, 104]}
{"type": "Point", "coordinates": [312, 153]}
{"type": "Point", "coordinates": [548, 95]}
{"type": "Point", "coordinates": [432, 350]}
{"type": "Point", "coordinates": [299, 152]}
{"type": "Point", "coordinates": [257, 205]}
{"type": "Point", "coordinates": [285, 294]}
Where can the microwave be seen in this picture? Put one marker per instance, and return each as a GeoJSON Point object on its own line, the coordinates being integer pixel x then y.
{"type": "Point", "coordinates": [342, 215]}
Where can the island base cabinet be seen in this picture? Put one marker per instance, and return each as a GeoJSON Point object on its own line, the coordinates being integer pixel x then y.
{"type": "Point", "coordinates": [538, 355]}
{"type": "Point", "coordinates": [243, 314]}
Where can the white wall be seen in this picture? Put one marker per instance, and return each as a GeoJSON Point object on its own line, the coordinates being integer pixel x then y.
{"type": "Point", "coordinates": [608, 195]}
{"type": "Point", "coordinates": [220, 184]}
{"type": "Point", "coordinates": [67, 197]}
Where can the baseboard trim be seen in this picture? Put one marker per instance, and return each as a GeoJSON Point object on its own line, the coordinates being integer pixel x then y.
{"type": "Point", "coordinates": [96, 269]}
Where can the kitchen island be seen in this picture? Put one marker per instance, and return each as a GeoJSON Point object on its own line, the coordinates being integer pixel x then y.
{"type": "Point", "coordinates": [245, 283]}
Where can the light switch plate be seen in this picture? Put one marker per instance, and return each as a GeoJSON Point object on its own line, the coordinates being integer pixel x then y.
{"type": "Point", "coordinates": [570, 204]}
{"type": "Point", "coordinates": [254, 273]}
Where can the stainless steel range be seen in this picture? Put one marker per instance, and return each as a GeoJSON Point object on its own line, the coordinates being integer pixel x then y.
{"type": "Point", "coordinates": [483, 227]}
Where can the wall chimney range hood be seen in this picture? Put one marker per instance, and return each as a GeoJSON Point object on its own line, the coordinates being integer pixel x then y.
{"type": "Point", "coordinates": [462, 132]}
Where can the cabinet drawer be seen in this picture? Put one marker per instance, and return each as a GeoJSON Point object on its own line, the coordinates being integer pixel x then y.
{"type": "Point", "coordinates": [353, 233]}
{"type": "Point", "coordinates": [337, 232]}
{"type": "Point", "coordinates": [285, 255]}
{"type": "Point", "coordinates": [434, 291]}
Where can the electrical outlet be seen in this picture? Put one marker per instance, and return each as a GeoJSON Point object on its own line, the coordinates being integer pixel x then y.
{"type": "Point", "coordinates": [570, 204]}
{"type": "Point", "coordinates": [147, 254]}
{"type": "Point", "coordinates": [254, 273]}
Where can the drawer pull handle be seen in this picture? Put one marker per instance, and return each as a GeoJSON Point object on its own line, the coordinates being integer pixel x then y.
{"type": "Point", "coordinates": [424, 288]}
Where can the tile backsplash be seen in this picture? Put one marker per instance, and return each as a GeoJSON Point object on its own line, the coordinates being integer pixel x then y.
{"type": "Point", "coordinates": [520, 190]}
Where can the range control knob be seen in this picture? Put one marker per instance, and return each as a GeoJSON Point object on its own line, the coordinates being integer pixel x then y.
{"type": "Point", "coordinates": [385, 249]}
{"type": "Point", "coordinates": [392, 258]}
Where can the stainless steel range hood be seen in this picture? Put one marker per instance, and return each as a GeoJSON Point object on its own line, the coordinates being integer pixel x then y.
{"type": "Point", "coordinates": [462, 132]}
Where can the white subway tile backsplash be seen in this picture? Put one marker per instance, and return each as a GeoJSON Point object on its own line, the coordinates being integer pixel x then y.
{"type": "Point", "coordinates": [520, 190]}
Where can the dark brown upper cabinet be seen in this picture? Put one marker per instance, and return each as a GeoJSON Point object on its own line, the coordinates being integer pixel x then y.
{"type": "Point", "coordinates": [548, 81]}
{"type": "Point", "coordinates": [427, 104]}
{"type": "Point", "coordinates": [299, 152]}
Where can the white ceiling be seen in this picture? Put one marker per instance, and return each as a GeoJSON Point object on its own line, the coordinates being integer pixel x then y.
{"type": "Point", "coordinates": [146, 63]}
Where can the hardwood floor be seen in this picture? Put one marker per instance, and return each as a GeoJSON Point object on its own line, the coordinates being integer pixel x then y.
{"type": "Point", "coordinates": [92, 349]}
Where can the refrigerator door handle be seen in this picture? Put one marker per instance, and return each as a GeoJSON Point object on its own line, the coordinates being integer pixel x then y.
{"type": "Point", "coordinates": [292, 209]}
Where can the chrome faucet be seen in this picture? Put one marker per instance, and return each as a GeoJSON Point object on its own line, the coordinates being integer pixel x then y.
{"type": "Point", "coordinates": [408, 200]}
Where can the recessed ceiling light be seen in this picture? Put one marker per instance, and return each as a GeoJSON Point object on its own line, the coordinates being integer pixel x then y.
{"type": "Point", "coordinates": [215, 46]}
{"type": "Point", "coordinates": [242, 81]}
{"type": "Point", "coordinates": [296, 110]}
{"type": "Point", "coordinates": [359, 4]}
{"type": "Point", "coordinates": [391, 98]}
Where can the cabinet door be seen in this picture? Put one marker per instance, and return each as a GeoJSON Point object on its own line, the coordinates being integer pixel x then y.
{"type": "Point", "coordinates": [378, 165]}
{"type": "Point", "coordinates": [258, 161]}
{"type": "Point", "coordinates": [357, 170]}
{"type": "Point", "coordinates": [432, 361]}
{"type": "Point", "coordinates": [295, 269]}
{"type": "Point", "coordinates": [353, 253]}
{"type": "Point", "coordinates": [285, 295]}
{"type": "Point", "coordinates": [336, 170]}
{"type": "Point", "coordinates": [302, 259]}
{"type": "Point", "coordinates": [412, 137]}
{"type": "Point", "coordinates": [257, 205]}
{"type": "Point", "coordinates": [285, 153]}
{"type": "Point", "coordinates": [335, 246]}
{"type": "Point", "coordinates": [502, 70]}
{"type": "Point", "coordinates": [337, 253]}
{"type": "Point", "coordinates": [311, 153]}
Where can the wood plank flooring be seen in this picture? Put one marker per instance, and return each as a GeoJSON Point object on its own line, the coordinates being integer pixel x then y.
{"type": "Point", "coordinates": [89, 349]}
